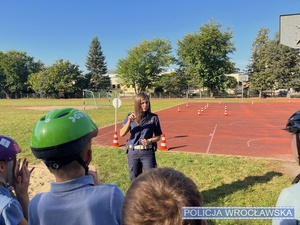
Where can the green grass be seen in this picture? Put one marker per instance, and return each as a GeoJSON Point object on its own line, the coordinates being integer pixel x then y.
{"type": "Point", "coordinates": [223, 180]}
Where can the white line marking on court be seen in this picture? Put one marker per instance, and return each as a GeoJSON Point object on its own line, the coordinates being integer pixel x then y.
{"type": "Point", "coordinates": [248, 142]}
{"type": "Point", "coordinates": [212, 137]}
{"type": "Point", "coordinates": [102, 135]}
{"type": "Point", "coordinates": [237, 122]}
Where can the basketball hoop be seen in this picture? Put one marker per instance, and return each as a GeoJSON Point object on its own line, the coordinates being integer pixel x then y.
{"type": "Point", "coordinates": [289, 30]}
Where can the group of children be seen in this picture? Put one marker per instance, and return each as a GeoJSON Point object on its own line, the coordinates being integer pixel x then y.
{"type": "Point", "coordinates": [62, 139]}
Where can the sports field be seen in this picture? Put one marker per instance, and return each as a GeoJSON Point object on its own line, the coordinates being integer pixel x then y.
{"type": "Point", "coordinates": [249, 128]}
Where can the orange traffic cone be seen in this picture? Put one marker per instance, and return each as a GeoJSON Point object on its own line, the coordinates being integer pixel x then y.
{"type": "Point", "coordinates": [115, 141]}
{"type": "Point", "coordinates": [178, 109]}
{"type": "Point", "coordinates": [163, 144]}
{"type": "Point", "coordinates": [225, 113]}
{"type": "Point", "coordinates": [199, 112]}
{"type": "Point", "coordinates": [187, 105]}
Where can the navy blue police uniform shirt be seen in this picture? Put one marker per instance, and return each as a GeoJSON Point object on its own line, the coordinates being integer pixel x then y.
{"type": "Point", "coordinates": [146, 130]}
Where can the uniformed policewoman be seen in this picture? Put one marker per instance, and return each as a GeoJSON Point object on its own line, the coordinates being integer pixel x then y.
{"type": "Point", "coordinates": [145, 132]}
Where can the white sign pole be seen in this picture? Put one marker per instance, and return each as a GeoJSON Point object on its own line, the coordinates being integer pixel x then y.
{"type": "Point", "coordinates": [116, 115]}
{"type": "Point", "coordinates": [242, 90]}
{"type": "Point", "coordinates": [116, 103]}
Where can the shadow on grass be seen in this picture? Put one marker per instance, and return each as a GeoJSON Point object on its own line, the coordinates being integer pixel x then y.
{"type": "Point", "coordinates": [212, 195]}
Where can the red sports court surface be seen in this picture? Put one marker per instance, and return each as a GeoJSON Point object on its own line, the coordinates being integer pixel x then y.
{"type": "Point", "coordinates": [249, 129]}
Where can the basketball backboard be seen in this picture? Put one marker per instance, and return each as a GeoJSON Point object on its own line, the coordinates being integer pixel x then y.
{"type": "Point", "coordinates": [289, 30]}
{"type": "Point", "coordinates": [243, 78]}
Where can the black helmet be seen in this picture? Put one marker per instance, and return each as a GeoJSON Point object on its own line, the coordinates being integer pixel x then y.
{"type": "Point", "coordinates": [293, 123]}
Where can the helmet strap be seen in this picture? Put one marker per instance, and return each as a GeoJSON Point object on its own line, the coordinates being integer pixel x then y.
{"type": "Point", "coordinates": [57, 164]}
{"type": "Point", "coordinates": [83, 164]}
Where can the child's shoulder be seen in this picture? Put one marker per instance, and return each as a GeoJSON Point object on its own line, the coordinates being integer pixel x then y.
{"type": "Point", "coordinates": [5, 200]}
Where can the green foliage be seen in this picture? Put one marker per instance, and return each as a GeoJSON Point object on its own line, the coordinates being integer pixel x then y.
{"type": "Point", "coordinates": [144, 63]}
{"type": "Point", "coordinates": [205, 55]}
{"type": "Point", "coordinates": [230, 82]}
{"type": "Point", "coordinates": [58, 79]}
{"type": "Point", "coordinates": [173, 82]}
{"type": "Point", "coordinates": [262, 76]}
{"type": "Point", "coordinates": [96, 65]}
{"type": "Point", "coordinates": [285, 65]}
{"type": "Point", "coordinates": [273, 66]}
{"type": "Point", "coordinates": [15, 67]}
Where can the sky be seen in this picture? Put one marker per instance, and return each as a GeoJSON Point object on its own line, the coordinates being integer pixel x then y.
{"type": "Point", "coordinates": [64, 29]}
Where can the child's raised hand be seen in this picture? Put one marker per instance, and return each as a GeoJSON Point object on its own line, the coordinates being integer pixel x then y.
{"type": "Point", "coordinates": [21, 177]}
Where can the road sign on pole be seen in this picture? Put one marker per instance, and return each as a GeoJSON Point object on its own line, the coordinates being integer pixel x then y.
{"type": "Point", "coordinates": [116, 103]}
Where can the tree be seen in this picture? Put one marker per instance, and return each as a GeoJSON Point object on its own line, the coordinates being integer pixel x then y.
{"type": "Point", "coordinates": [144, 63]}
{"type": "Point", "coordinates": [15, 67]}
{"type": "Point", "coordinates": [60, 79]}
{"type": "Point", "coordinates": [2, 74]}
{"type": "Point", "coordinates": [261, 76]}
{"type": "Point", "coordinates": [285, 64]}
{"type": "Point", "coordinates": [173, 82]}
{"type": "Point", "coordinates": [230, 82]}
{"type": "Point", "coordinates": [35, 82]}
{"type": "Point", "coordinates": [295, 74]}
{"type": "Point", "coordinates": [205, 56]}
{"type": "Point", "coordinates": [273, 65]}
{"type": "Point", "coordinates": [96, 65]}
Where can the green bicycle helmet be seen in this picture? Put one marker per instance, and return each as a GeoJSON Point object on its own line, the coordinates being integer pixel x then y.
{"type": "Point", "coordinates": [61, 135]}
